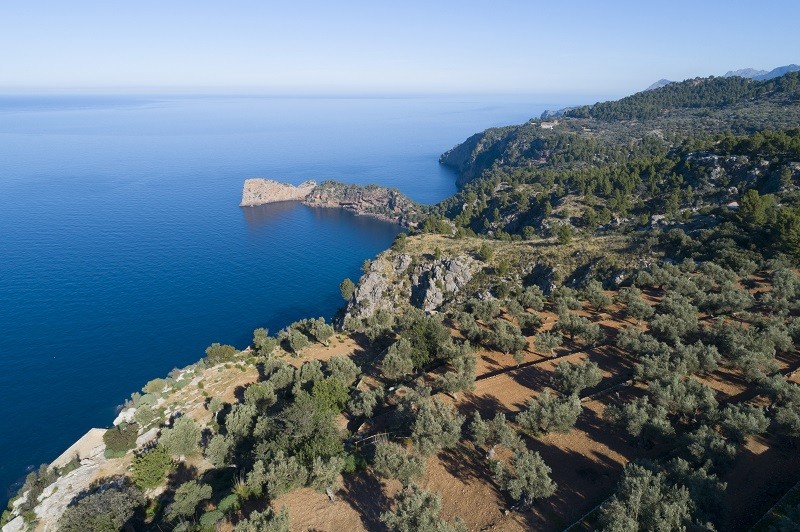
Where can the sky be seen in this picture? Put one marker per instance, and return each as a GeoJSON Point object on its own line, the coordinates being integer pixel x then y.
{"type": "Point", "coordinates": [380, 47]}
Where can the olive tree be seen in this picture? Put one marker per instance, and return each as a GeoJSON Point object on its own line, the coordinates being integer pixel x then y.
{"type": "Point", "coordinates": [417, 510]}
{"type": "Point", "coordinates": [528, 478]}
{"type": "Point", "coordinates": [394, 461]}
{"type": "Point", "coordinates": [572, 379]}
{"type": "Point", "coordinates": [436, 426]}
{"type": "Point", "coordinates": [547, 413]}
{"type": "Point", "coordinates": [644, 500]}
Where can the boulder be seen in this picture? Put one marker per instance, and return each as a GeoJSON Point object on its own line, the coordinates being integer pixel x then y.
{"type": "Point", "coordinates": [126, 416]}
{"type": "Point", "coordinates": [148, 437]}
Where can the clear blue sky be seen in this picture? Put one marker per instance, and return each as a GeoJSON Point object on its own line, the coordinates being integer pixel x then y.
{"type": "Point", "coordinates": [556, 47]}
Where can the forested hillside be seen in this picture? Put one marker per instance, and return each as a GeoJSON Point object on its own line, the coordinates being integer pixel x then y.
{"type": "Point", "coordinates": [599, 330]}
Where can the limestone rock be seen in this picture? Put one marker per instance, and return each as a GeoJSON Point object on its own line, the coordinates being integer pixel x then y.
{"type": "Point", "coordinates": [58, 495]}
{"type": "Point", "coordinates": [432, 283]}
{"type": "Point", "coordinates": [368, 294]}
{"type": "Point", "coordinates": [126, 416]}
{"type": "Point", "coordinates": [263, 191]}
{"type": "Point", "coordinates": [386, 204]}
{"type": "Point", "coordinates": [148, 437]}
{"type": "Point", "coordinates": [15, 525]}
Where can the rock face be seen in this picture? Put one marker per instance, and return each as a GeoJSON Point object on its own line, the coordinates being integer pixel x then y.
{"type": "Point", "coordinates": [263, 191]}
{"type": "Point", "coordinates": [386, 204]}
{"type": "Point", "coordinates": [431, 284]}
{"type": "Point", "coordinates": [368, 295]}
{"type": "Point", "coordinates": [379, 202]}
{"type": "Point", "coordinates": [388, 279]}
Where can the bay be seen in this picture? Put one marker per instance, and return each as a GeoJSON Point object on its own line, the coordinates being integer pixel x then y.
{"type": "Point", "coordinates": [123, 252]}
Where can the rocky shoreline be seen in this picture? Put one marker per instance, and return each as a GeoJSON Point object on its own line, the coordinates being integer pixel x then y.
{"type": "Point", "coordinates": [383, 203]}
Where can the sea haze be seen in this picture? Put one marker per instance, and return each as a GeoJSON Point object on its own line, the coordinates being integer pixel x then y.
{"type": "Point", "coordinates": [124, 252]}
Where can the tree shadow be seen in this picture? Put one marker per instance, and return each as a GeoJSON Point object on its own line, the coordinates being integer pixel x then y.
{"type": "Point", "coordinates": [364, 493]}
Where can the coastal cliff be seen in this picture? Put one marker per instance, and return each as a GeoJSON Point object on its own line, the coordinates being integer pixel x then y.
{"type": "Point", "coordinates": [263, 191]}
{"type": "Point", "coordinates": [383, 203]}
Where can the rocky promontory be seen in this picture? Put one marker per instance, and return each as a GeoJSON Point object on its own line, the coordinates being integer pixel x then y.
{"type": "Point", "coordinates": [263, 191]}
{"type": "Point", "coordinates": [384, 203]}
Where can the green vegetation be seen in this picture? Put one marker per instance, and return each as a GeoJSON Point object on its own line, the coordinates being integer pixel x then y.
{"type": "Point", "coordinates": [650, 245]}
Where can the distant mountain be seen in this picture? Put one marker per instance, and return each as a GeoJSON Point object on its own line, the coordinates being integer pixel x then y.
{"type": "Point", "coordinates": [778, 72]}
{"type": "Point", "coordinates": [750, 73]}
{"type": "Point", "coordinates": [658, 84]}
{"type": "Point", "coordinates": [745, 73]}
{"type": "Point", "coordinates": [763, 75]}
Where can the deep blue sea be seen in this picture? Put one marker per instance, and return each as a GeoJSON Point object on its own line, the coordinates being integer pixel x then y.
{"type": "Point", "coordinates": [123, 252]}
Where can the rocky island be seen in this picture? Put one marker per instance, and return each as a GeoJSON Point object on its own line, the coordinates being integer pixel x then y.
{"type": "Point", "coordinates": [387, 204]}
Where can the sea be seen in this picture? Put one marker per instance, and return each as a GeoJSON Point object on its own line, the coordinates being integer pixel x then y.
{"type": "Point", "coordinates": [124, 253]}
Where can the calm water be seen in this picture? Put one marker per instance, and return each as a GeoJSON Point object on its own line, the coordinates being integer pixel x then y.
{"type": "Point", "coordinates": [123, 252]}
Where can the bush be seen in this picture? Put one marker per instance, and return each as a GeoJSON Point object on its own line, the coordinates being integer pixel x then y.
{"type": "Point", "coordinates": [398, 363]}
{"type": "Point", "coordinates": [330, 394]}
{"type": "Point", "coordinates": [107, 508]}
{"type": "Point", "coordinates": [229, 504]}
{"type": "Point", "coordinates": [209, 520]}
{"type": "Point", "coordinates": [394, 461]}
{"type": "Point", "coordinates": [183, 439]}
{"type": "Point", "coordinates": [266, 521]}
{"type": "Point", "coordinates": [343, 368]}
{"type": "Point", "coordinates": [644, 500]}
{"type": "Point", "coordinates": [150, 468]}
{"type": "Point", "coordinates": [187, 497]}
{"type": "Point", "coordinates": [217, 353]}
{"type": "Point", "coordinates": [120, 439]}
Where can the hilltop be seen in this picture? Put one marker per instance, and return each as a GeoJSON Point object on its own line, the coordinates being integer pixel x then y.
{"type": "Point", "coordinates": [599, 330]}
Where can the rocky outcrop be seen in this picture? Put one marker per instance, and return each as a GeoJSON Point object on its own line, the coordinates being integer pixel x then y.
{"type": "Point", "coordinates": [394, 280]}
{"type": "Point", "coordinates": [433, 282]}
{"type": "Point", "coordinates": [383, 203]}
{"type": "Point", "coordinates": [470, 158]}
{"type": "Point", "coordinates": [263, 191]}
{"type": "Point", "coordinates": [386, 204]}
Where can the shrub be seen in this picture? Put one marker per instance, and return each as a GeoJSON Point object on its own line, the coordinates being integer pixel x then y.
{"type": "Point", "coordinates": [346, 288]}
{"type": "Point", "coordinates": [150, 468]}
{"type": "Point", "coordinates": [494, 432]}
{"type": "Point", "coordinates": [343, 368]}
{"type": "Point", "coordinates": [324, 474]}
{"type": "Point", "coordinates": [263, 343]}
{"type": "Point", "coordinates": [187, 497]}
{"type": "Point", "coordinates": [330, 394]}
{"type": "Point", "coordinates": [364, 403]}
{"type": "Point", "coordinates": [209, 520]}
{"type": "Point", "coordinates": [155, 386]}
{"type": "Point", "coordinates": [397, 363]}
{"type": "Point", "coordinates": [547, 342]}
{"type": "Point", "coordinates": [394, 461]}
{"type": "Point", "coordinates": [107, 508]}
{"type": "Point", "coordinates": [183, 439]}
{"type": "Point", "coordinates": [219, 449]}
{"type": "Point", "coordinates": [216, 353]}
{"type": "Point", "coordinates": [266, 521]}
{"type": "Point", "coordinates": [229, 504]}
{"type": "Point", "coordinates": [120, 439]}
